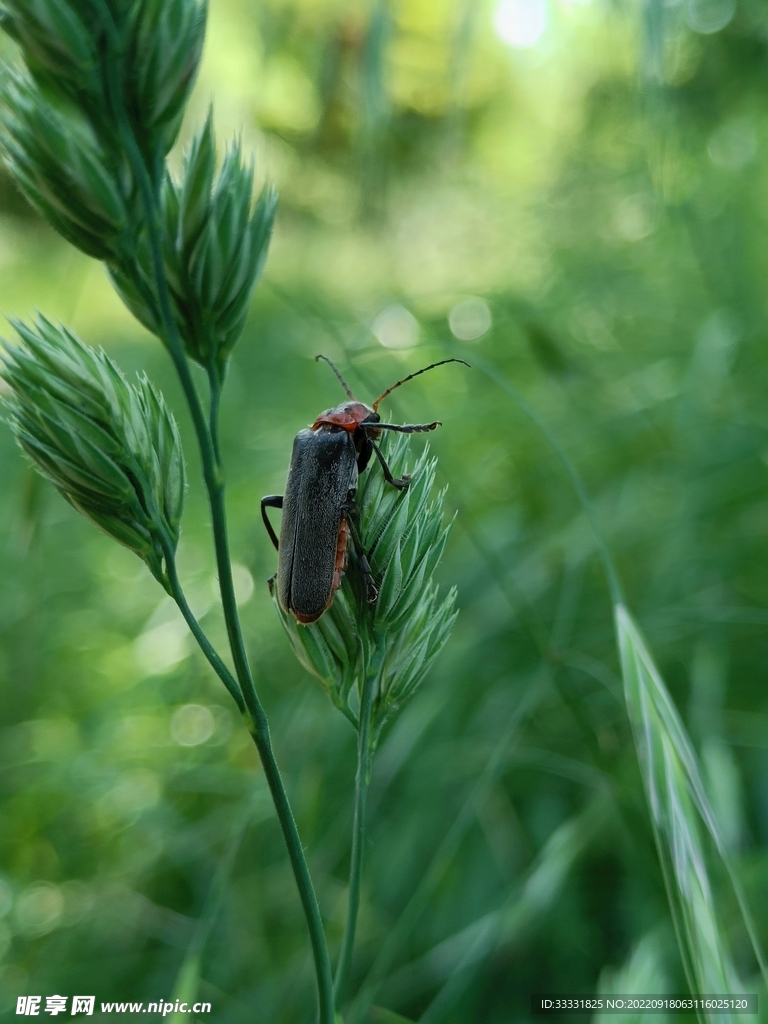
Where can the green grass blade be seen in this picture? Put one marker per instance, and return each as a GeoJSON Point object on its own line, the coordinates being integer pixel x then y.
{"type": "Point", "coordinates": [380, 1015]}
{"type": "Point", "coordinates": [679, 806]}
{"type": "Point", "coordinates": [455, 961]}
{"type": "Point", "coordinates": [187, 981]}
{"type": "Point", "coordinates": [642, 974]}
{"type": "Point", "coordinates": [443, 856]}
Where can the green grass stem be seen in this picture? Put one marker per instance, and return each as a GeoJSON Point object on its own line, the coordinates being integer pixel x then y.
{"type": "Point", "coordinates": [362, 782]}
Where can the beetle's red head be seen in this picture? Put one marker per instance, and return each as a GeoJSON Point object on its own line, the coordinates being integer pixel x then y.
{"type": "Point", "coordinates": [348, 416]}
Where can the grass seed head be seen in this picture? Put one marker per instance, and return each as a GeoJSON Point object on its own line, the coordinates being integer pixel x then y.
{"type": "Point", "coordinates": [110, 447]}
{"type": "Point", "coordinates": [61, 167]}
{"type": "Point", "coordinates": [215, 243]}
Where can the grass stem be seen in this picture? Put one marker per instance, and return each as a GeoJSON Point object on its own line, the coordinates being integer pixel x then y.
{"type": "Point", "coordinates": [195, 628]}
{"type": "Point", "coordinates": [362, 782]}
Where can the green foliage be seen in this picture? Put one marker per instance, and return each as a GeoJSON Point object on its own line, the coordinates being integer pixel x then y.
{"type": "Point", "coordinates": [63, 170]}
{"type": "Point", "coordinates": [89, 51]}
{"type": "Point", "coordinates": [596, 203]}
{"type": "Point", "coordinates": [214, 249]}
{"type": "Point", "coordinates": [60, 49]}
{"type": "Point", "coordinates": [397, 639]}
{"type": "Point", "coordinates": [66, 146]}
{"type": "Point", "coordinates": [643, 972]}
{"type": "Point", "coordinates": [65, 114]}
{"type": "Point", "coordinates": [455, 959]}
{"type": "Point", "coordinates": [166, 43]}
{"type": "Point", "coordinates": [111, 448]}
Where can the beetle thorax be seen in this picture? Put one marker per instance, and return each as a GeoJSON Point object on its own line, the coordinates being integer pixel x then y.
{"type": "Point", "coordinates": [348, 416]}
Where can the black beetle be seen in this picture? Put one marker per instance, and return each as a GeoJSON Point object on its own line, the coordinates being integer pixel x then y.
{"type": "Point", "coordinates": [319, 513]}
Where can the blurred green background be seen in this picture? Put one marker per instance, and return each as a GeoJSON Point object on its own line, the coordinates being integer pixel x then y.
{"type": "Point", "coordinates": [577, 192]}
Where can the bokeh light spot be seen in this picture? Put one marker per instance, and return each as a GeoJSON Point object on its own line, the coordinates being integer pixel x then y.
{"type": "Point", "coordinates": [288, 100]}
{"type": "Point", "coordinates": [192, 725]}
{"type": "Point", "coordinates": [634, 217]}
{"type": "Point", "coordinates": [396, 327]}
{"type": "Point", "coordinates": [6, 897]}
{"type": "Point", "coordinates": [79, 900]}
{"type": "Point", "coordinates": [708, 16]}
{"type": "Point", "coordinates": [159, 649]}
{"type": "Point", "coordinates": [716, 347]}
{"type": "Point", "coordinates": [136, 791]}
{"type": "Point", "coordinates": [733, 144]}
{"type": "Point", "coordinates": [39, 908]}
{"type": "Point", "coordinates": [521, 23]}
{"type": "Point", "coordinates": [470, 319]}
{"type": "Point", "coordinates": [243, 582]}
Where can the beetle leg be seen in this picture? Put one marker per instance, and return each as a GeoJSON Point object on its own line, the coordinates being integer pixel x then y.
{"type": "Point", "coordinates": [400, 484]}
{"type": "Point", "coordinates": [365, 453]}
{"type": "Point", "coordinates": [271, 501]}
{"type": "Point", "coordinates": [351, 514]}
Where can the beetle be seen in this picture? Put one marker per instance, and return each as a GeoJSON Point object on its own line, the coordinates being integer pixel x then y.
{"type": "Point", "coordinates": [319, 511]}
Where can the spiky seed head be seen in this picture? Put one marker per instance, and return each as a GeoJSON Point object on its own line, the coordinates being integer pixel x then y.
{"type": "Point", "coordinates": [166, 43]}
{"type": "Point", "coordinates": [61, 167]}
{"type": "Point", "coordinates": [110, 447]}
{"type": "Point", "coordinates": [64, 142]}
{"type": "Point", "coordinates": [148, 50]}
{"type": "Point", "coordinates": [60, 49]}
{"type": "Point", "coordinates": [214, 247]}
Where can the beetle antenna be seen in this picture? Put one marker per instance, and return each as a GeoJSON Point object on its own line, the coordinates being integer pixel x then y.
{"type": "Point", "coordinates": [411, 376]}
{"type": "Point", "coordinates": [338, 376]}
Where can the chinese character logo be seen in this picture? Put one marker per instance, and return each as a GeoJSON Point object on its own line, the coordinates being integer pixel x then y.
{"type": "Point", "coordinates": [55, 1004]}
{"type": "Point", "coordinates": [83, 1004]}
{"type": "Point", "coordinates": [29, 1006]}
